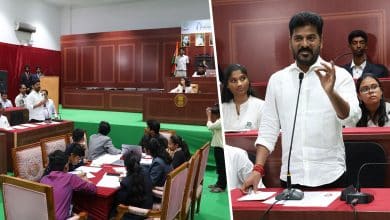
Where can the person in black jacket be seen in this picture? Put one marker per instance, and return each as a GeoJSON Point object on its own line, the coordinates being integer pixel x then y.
{"type": "Point", "coordinates": [178, 150]}
{"type": "Point", "coordinates": [359, 65]}
{"type": "Point", "coordinates": [136, 187]}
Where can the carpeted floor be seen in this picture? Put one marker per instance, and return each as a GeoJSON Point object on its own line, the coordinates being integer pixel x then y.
{"type": "Point", "coordinates": [128, 128]}
{"type": "Point", "coordinates": [213, 206]}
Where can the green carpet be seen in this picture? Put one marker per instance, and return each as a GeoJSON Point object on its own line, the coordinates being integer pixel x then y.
{"type": "Point", "coordinates": [128, 128]}
{"type": "Point", "coordinates": [213, 205]}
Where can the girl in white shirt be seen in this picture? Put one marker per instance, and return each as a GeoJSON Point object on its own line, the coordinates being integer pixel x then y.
{"type": "Point", "coordinates": [183, 87]}
{"type": "Point", "coordinates": [241, 109]}
{"type": "Point", "coordinates": [375, 111]}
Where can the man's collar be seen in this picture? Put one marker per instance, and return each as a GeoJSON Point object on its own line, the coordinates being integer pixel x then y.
{"type": "Point", "coordinates": [361, 65]}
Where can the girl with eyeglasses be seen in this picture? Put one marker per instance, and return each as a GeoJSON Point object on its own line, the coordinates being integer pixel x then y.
{"type": "Point", "coordinates": [375, 110]}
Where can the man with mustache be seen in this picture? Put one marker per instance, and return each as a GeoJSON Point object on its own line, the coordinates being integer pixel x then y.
{"type": "Point", "coordinates": [327, 101]}
{"type": "Point", "coordinates": [359, 65]}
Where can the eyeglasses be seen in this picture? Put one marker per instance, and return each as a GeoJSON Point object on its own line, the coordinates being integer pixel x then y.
{"type": "Point", "coordinates": [367, 89]}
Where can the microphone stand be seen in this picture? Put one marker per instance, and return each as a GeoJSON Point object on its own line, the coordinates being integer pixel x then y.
{"type": "Point", "coordinates": [362, 198]}
{"type": "Point", "coordinates": [292, 193]}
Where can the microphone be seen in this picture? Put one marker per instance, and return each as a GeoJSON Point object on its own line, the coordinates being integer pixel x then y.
{"type": "Point", "coordinates": [292, 193]}
{"type": "Point", "coordinates": [362, 198]}
{"type": "Point", "coordinates": [340, 56]}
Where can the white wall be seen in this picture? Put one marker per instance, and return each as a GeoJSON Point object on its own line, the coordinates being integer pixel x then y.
{"type": "Point", "coordinates": [51, 21]}
{"type": "Point", "coordinates": [142, 14]}
{"type": "Point", "coordinates": [45, 17]}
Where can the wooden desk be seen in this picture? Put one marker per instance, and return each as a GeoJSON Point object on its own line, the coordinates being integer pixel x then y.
{"type": "Point", "coordinates": [100, 99]}
{"type": "Point", "coordinates": [337, 210]}
{"type": "Point", "coordinates": [16, 115]}
{"type": "Point", "coordinates": [206, 84]}
{"type": "Point", "coordinates": [162, 108]}
{"type": "Point", "coordinates": [99, 205]}
{"type": "Point", "coordinates": [3, 154]}
{"type": "Point", "coordinates": [19, 137]}
{"type": "Point", "coordinates": [246, 140]}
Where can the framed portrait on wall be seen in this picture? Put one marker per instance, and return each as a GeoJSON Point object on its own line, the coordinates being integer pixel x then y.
{"type": "Point", "coordinates": [211, 40]}
{"type": "Point", "coordinates": [199, 39]}
{"type": "Point", "coordinates": [185, 40]}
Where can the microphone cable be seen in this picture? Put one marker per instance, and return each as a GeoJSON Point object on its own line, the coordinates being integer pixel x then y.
{"type": "Point", "coordinates": [353, 206]}
{"type": "Point", "coordinates": [264, 217]}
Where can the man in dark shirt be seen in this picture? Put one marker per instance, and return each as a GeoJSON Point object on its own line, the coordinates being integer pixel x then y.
{"type": "Point", "coordinates": [153, 131]}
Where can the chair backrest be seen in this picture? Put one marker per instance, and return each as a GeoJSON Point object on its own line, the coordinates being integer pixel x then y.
{"type": "Point", "coordinates": [167, 133]}
{"type": "Point", "coordinates": [70, 140]}
{"type": "Point", "coordinates": [51, 144]}
{"type": "Point", "coordinates": [24, 199]}
{"type": "Point", "coordinates": [189, 189]}
{"type": "Point", "coordinates": [359, 153]}
{"type": "Point", "coordinates": [195, 88]}
{"type": "Point", "coordinates": [174, 192]}
{"type": "Point", "coordinates": [28, 161]}
{"type": "Point", "coordinates": [204, 154]}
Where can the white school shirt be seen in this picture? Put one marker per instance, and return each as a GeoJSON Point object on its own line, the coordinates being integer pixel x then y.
{"type": "Point", "coordinates": [35, 113]}
{"type": "Point", "coordinates": [20, 100]}
{"type": "Point", "coordinates": [357, 71]}
{"type": "Point", "coordinates": [4, 122]}
{"type": "Point", "coordinates": [249, 117]}
{"type": "Point", "coordinates": [181, 62]}
{"type": "Point", "coordinates": [238, 165]}
{"type": "Point", "coordinates": [318, 153]}
{"type": "Point", "coordinates": [215, 128]}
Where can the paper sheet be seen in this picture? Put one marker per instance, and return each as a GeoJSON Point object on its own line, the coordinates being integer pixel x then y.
{"type": "Point", "coordinates": [310, 199]}
{"type": "Point", "coordinates": [30, 125]}
{"type": "Point", "coordinates": [120, 169]}
{"type": "Point", "coordinates": [105, 159]}
{"type": "Point", "coordinates": [109, 181]}
{"type": "Point", "coordinates": [146, 161]}
{"type": "Point", "coordinates": [256, 196]}
{"type": "Point", "coordinates": [77, 172]}
{"type": "Point", "coordinates": [8, 129]}
{"type": "Point", "coordinates": [19, 127]}
{"type": "Point", "coordinates": [86, 169]}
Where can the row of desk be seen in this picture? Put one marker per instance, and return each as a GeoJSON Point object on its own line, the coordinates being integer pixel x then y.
{"type": "Point", "coordinates": [246, 140]}
{"type": "Point", "coordinates": [378, 209]}
{"type": "Point", "coordinates": [165, 107]}
{"type": "Point", "coordinates": [28, 135]}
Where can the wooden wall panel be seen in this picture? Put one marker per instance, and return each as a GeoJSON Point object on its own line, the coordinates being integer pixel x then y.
{"type": "Point", "coordinates": [255, 33]}
{"type": "Point", "coordinates": [126, 63]}
{"type": "Point", "coordinates": [139, 58]}
{"type": "Point", "coordinates": [70, 64]}
{"type": "Point", "coordinates": [107, 63]}
{"type": "Point", "coordinates": [88, 64]}
{"type": "Point", "coordinates": [150, 62]}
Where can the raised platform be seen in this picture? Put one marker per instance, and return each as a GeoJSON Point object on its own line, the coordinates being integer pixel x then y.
{"type": "Point", "coordinates": [128, 128]}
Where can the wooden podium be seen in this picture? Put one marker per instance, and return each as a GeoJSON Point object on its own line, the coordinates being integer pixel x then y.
{"type": "Point", "coordinates": [52, 85]}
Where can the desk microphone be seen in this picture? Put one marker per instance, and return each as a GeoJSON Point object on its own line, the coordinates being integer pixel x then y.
{"type": "Point", "coordinates": [292, 193]}
{"type": "Point", "coordinates": [362, 198]}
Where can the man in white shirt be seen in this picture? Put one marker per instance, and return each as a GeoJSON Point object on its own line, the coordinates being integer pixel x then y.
{"type": "Point", "coordinates": [20, 100]}
{"type": "Point", "coordinates": [359, 65]}
{"type": "Point", "coordinates": [3, 120]}
{"type": "Point", "coordinates": [181, 64]}
{"type": "Point", "coordinates": [49, 107]}
{"type": "Point", "coordinates": [327, 100]}
{"type": "Point", "coordinates": [201, 71]}
{"type": "Point", "coordinates": [5, 102]}
{"type": "Point", "coordinates": [35, 103]}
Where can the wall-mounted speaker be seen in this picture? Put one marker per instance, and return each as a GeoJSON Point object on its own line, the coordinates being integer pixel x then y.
{"type": "Point", "coordinates": [24, 27]}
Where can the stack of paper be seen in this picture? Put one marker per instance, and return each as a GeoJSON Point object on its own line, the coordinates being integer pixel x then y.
{"type": "Point", "coordinates": [109, 181]}
{"type": "Point", "coordinates": [310, 199]}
